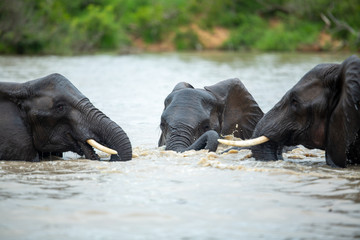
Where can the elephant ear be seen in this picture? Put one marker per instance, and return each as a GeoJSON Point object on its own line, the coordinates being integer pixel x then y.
{"type": "Point", "coordinates": [182, 85]}
{"type": "Point", "coordinates": [13, 91]}
{"type": "Point", "coordinates": [344, 122]}
{"type": "Point", "coordinates": [240, 111]}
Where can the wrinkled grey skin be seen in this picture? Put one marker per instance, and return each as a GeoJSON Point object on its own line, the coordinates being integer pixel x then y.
{"type": "Point", "coordinates": [49, 116]}
{"type": "Point", "coordinates": [194, 118]}
{"type": "Point", "coordinates": [320, 111]}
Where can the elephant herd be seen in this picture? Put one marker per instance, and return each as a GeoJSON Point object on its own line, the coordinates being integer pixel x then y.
{"type": "Point", "coordinates": [49, 116]}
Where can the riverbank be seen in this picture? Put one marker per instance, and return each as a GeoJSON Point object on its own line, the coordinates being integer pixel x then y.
{"type": "Point", "coordinates": [219, 39]}
{"type": "Point", "coordinates": [123, 26]}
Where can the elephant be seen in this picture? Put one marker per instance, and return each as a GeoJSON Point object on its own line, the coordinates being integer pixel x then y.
{"type": "Point", "coordinates": [49, 116]}
{"type": "Point", "coordinates": [193, 118]}
{"type": "Point", "coordinates": [320, 111]}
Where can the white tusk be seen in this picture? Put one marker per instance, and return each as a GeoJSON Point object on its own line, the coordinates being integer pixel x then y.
{"type": "Point", "coordinates": [100, 147]}
{"type": "Point", "coordinates": [245, 143]}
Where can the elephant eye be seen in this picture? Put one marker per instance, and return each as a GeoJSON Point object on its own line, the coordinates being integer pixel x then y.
{"type": "Point", "coordinates": [206, 127]}
{"type": "Point", "coordinates": [162, 125]}
{"type": "Point", "coordinates": [294, 104]}
{"type": "Point", "coordinates": [60, 107]}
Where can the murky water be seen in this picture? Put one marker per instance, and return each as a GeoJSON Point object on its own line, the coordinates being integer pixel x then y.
{"type": "Point", "coordinates": [165, 195]}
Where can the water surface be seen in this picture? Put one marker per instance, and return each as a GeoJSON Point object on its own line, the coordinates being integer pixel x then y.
{"type": "Point", "coordinates": [165, 195]}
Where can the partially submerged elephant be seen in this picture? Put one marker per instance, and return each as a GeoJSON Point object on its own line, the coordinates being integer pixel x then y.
{"type": "Point", "coordinates": [194, 118]}
{"type": "Point", "coordinates": [320, 111]}
{"type": "Point", "coordinates": [49, 116]}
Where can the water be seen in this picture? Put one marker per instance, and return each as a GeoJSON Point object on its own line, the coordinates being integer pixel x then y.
{"type": "Point", "coordinates": [165, 195]}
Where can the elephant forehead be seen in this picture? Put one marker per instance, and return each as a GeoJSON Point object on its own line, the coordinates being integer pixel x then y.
{"type": "Point", "coordinates": [192, 97]}
{"type": "Point", "coordinates": [309, 90]}
{"type": "Point", "coordinates": [188, 106]}
{"type": "Point", "coordinates": [178, 110]}
{"type": "Point", "coordinates": [194, 107]}
{"type": "Point", "coordinates": [69, 92]}
{"type": "Point", "coordinates": [191, 115]}
{"type": "Point", "coordinates": [61, 88]}
{"type": "Point", "coordinates": [43, 102]}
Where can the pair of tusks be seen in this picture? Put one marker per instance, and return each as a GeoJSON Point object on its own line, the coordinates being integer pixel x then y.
{"type": "Point", "coordinates": [100, 147]}
{"type": "Point", "coordinates": [245, 143]}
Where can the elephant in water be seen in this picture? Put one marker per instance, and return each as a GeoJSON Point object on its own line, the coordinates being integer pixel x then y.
{"type": "Point", "coordinates": [320, 111]}
{"type": "Point", "coordinates": [194, 118]}
{"type": "Point", "coordinates": [49, 116]}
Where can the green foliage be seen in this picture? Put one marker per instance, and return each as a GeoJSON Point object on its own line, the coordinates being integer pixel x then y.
{"type": "Point", "coordinates": [226, 13]}
{"type": "Point", "coordinates": [186, 40]}
{"type": "Point", "coordinates": [153, 20]}
{"type": "Point", "coordinates": [147, 21]}
{"type": "Point", "coordinates": [82, 26]}
{"type": "Point", "coordinates": [96, 28]}
{"type": "Point", "coordinates": [18, 30]}
{"type": "Point", "coordinates": [285, 38]}
{"type": "Point", "coordinates": [278, 39]}
{"type": "Point", "coordinates": [248, 33]}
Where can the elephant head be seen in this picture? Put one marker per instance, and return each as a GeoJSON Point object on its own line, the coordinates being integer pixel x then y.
{"type": "Point", "coordinates": [320, 111]}
{"type": "Point", "coordinates": [50, 115]}
{"type": "Point", "coordinates": [194, 118]}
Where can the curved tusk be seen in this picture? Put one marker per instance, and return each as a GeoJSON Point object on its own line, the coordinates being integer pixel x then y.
{"type": "Point", "coordinates": [100, 147]}
{"type": "Point", "coordinates": [245, 143]}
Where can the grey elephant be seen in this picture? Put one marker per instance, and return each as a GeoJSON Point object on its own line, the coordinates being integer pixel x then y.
{"type": "Point", "coordinates": [194, 118]}
{"type": "Point", "coordinates": [320, 111]}
{"type": "Point", "coordinates": [49, 116]}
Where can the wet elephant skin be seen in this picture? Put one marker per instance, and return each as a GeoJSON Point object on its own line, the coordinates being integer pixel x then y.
{"type": "Point", "coordinates": [320, 111]}
{"type": "Point", "coordinates": [49, 116]}
{"type": "Point", "coordinates": [196, 118]}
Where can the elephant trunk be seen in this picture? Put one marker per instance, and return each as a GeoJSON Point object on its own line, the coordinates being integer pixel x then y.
{"type": "Point", "coordinates": [115, 138]}
{"type": "Point", "coordinates": [274, 132]}
{"type": "Point", "coordinates": [178, 141]}
{"type": "Point", "coordinates": [108, 133]}
{"type": "Point", "coordinates": [206, 141]}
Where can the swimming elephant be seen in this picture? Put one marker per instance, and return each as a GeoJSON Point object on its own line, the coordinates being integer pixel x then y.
{"type": "Point", "coordinates": [320, 111]}
{"type": "Point", "coordinates": [49, 116]}
{"type": "Point", "coordinates": [194, 118]}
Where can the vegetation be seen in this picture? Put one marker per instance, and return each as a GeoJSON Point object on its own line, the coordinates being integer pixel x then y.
{"type": "Point", "coordinates": [86, 26]}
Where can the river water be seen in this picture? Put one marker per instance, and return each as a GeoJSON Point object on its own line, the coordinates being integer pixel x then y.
{"type": "Point", "coordinates": [165, 195]}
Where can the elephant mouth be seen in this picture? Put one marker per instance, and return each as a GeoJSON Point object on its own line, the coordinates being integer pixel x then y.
{"type": "Point", "coordinates": [87, 148]}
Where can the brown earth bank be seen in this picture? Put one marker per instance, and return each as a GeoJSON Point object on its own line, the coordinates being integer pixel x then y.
{"type": "Point", "coordinates": [215, 38]}
{"type": "Point", "coordinates": [324, 42]}
{"type": "Point", "coordinates": [208, 40]}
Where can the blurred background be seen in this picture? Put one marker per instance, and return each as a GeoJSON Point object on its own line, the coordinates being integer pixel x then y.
{"type": "Point", "coordinates": [129, 26]}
